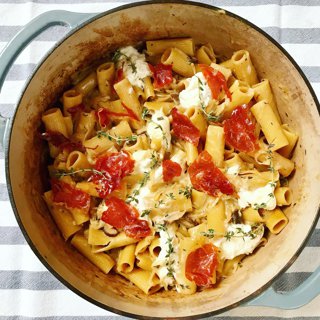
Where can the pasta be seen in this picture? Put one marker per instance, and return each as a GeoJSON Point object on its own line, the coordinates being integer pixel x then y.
{"type": "Point", "coordinates": [157, 166]}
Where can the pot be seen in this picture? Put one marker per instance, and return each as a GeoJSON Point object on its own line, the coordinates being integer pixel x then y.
{"type": "Point", "coordinates": [92, 37]}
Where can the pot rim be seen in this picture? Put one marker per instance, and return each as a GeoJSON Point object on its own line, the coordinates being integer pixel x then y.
{"type": "Point", "coordinates": [7, 153]}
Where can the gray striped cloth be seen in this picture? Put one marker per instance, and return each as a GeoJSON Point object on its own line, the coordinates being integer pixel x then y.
{"type": "Point", "coordinates": [27, 289]}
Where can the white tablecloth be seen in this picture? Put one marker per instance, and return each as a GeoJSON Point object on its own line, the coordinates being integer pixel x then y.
{"type": "Point", "coordinates": [27, 289]}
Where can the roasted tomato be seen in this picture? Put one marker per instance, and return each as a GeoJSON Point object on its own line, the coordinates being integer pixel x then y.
{"type": "Point", "coordinates": [110, 170]}
{"type": "Point", "coordinates": [201, 264]}
{"type": "Point", "coordinates": [206, 177]}
{"type": "Point", "coordinates": [170, 170]}
{"type": "Point", "coordinates": [65, 193]}
{"type": "Point", "coordinates": [183, 128]}
{"type": "Point", "coordinates": [121, 215]}
{"type": "Point", "coordinates": [216, 81]}
{"type": "Point", "coordinates": [162, 75]}
{"type": "Point", "coordinates": [240, 129]}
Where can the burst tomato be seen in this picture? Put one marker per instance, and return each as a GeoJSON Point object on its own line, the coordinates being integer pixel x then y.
{"type": "Point", "coordinates": [70, 196]}
{"type": "Point", "coordinates": [183, 128]}
{"type": "Point", "coordinates": [206, 177]}
{"type": "Point", "coordinates": [240, 128]}
{"type": "Point", "coordinates": [162, 75]}
{"type": "Point", "coordinates": [201, 264]}
{"type": "Point", "coordinates": [138, 229]}
{"type": "Point", "coordinates": [170, 170]}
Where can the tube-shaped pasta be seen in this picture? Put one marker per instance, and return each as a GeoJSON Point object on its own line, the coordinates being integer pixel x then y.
{"type": "Point", "coordinates": [85, 126]}
{"type": "Point", "coordinates": [88, 187]}
{"type": "Point", "coordinates": [104, 262]}
{"type": "Point", "coordinates": [147, 281]}
{"type": "Point", "coordinates": [191, 151]}
{"type": "Point", "coordinates": [243, 67]}
{"type": "Point", "coordinates": [126, 259]}
{"type": "Point", "coordinates": [96, 146]}
{"type": "Point", "coordinates": [86, 85]}
{"type": "Point", "coordinates": [235, 160]}
{"type": "Point", "coordinates": [292, 139]}
{"type": "Point", "coordinates": [69, 125]}
{"type": "Point", "coordinates": [144, 261]}
{"type": "Point", "coordinates": [148, 88]}
{"type": "Point", "coordinates": [120, 240]}
{"type": "Point", "coordinates": [198, 198]}
{"type": "Point", "coordinates": [283, 196]}
{"type": "Point", "coordinates": [141, 144]}
{"type": "Point", "coordinates": [71, 98]}
{"type": "Point", "coordinates": [283, 165]}
{"type": "Point", "coordinates": [205, 54]}
{"type": "Point", "coordinates": [180, 62]}
{"type": "Point", "coordinates": [197, 118]}
{"type": "Point", "coordinates": [53, 121]}
{"type": "Point", "coordinates": [275, 220]}
{"type": "Point", "coordinates": [155, 47]}
{"type": "Point", "coordinates": [215, 142]}
{"type": "Point", "coordinates": [62, 217]}
{"type": "Point", "coordinates": [216, 217]}
{"type": "Point", "coordinates": [105, 76]}
{"type": "Point", "coordinates": [121, 130]}
{"type": "Point", "coordinates": [231, 266]}
{"type": "Point", "coordinates": [166, 107]}
{"type": "Point", "coordinates": [262, 91]}
{"type": "Point", "coordinates": [97, 237]}
{"type": "Point", "coordinates": [143, 244]}
{"type": "Point", "coordinates": [129, 98]}
{"type": "Point", "coordinates": [80, 216]}
{"type": "Point", "coordinates": [269, 125]}
{"type": "Point", "coordinates": [225, 71]}
{"type": "Point", "coordinates": [251, 215]}
{"type": "Point", "coordinates": [76, 161]}
{"type": "Point", "coordinates": [155, 248]}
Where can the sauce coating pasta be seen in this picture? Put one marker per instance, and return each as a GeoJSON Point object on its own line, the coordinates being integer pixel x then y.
{"type": "Point", "coordinates": [168, 166]}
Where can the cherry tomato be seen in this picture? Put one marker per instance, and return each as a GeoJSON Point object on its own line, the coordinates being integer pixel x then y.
{"type": "Point", "coordinates": [201, 264]}
{"type": "Point", "coordinates": [162, 75]}
{"type": "Point", "coordinates": [206, 177]}
{"type": "Point", "coordinates": [170, 170]}
{"type": "Point", "coordinates": [112, 169]}
{"type": "Point", "coordinates": [240, 128]}
{"type": "Point", "coordinates": [183, 128]}
{"type": "Point", "coordinates": [72, 197]}
{"type": "Point", "coordinates": [119, 214]}
{"type": "Point", "coordinates": [138, 229]}
{"type": "Point", "coordinates": [61, 142]}
{"type": "Point", "coordinates": [216, 81]}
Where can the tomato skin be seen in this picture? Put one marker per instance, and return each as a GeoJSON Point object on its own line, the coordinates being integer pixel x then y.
{"type": "Point", "coordinates": [183, 128]}
{"type": "Point", "coordinates": [61, 142]}
{"type": "Point", "coordinates": [113, 168]}
{"type": "Point", "coordinates": [206, 177]}
{"type": "Point", "coordinates": [121, 215]}
{"type": "Point", "coordinates": [170, 170]}
{"type": "Point", "coordinates": [72, 197]}
{"type": "Point", "coordinates": [240, 128]}
{"type": "Point", "coordinates": [201, 264]}
{"type": "Point", "coordinates": [118, 213]}
{"type": "Point", "coordinates": [162, 75]}
{"type": "Point", "coordinates": [216, 81]}
{"type": "Point", "coordinates": [138, 229]}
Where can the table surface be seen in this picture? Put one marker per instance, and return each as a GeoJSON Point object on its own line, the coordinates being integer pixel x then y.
{"type": "Point", "coordinates": [27, 289]}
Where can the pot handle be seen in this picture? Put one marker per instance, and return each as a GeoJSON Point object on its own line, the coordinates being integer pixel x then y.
{"type": "Point", "coordinates": [294, 299]}
{"type": "Point", "coordinates": [26, 35]}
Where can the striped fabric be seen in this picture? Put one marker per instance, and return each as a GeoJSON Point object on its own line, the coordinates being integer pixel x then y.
{"type": "Point", "coordinates": [27, 289]}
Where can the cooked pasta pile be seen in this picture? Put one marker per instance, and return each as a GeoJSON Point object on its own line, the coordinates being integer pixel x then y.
{"type": "Point", "coordinates": [169, 166]}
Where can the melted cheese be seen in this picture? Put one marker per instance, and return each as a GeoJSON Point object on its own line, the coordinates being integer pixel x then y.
{"type": "Point", "coordinates": [134, 66]}
{"type": "Point", "coordinates": [240, 242]}
{"type": "Point", "coordinates": [259, 198]}
{"type": "Point", "coordinates": [197, 93]}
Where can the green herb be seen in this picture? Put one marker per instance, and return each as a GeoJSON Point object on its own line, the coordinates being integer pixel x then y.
{"type": "Point", "coordinates": [161, 227]}
{"type": "Point", "coordinates": [208, 234]}
{"type": "Point", "coordinates": [61, 173]}
{"type": "Point", "coordinates": [270, 157]}
{"type": "Point", "coordinates": [145, 113]}
{"type": "Point", "coordinates": [118, 139]}
{"type": "Point", "coordinates": [117, 57]}
{"type": "Point", "coordinates": [186, 192]}
{"type": "Point", "coordinates": [171, 196]}
{"type": "Point", "coordinates": [257, 206]}
{"type": "Point", "coordinates": [252, 234]}
{"type": "Point", "coordinates": [160, 118]}
{"type": "Point", "coordinates": [157, 126]}
{"type": "Point", "coordinates": [155, 160]}
{"type": "Point", "coordinates": [159, 203]}
{"type": "Point", "coordinates": [184, 286]}
{"type": "Point", "coordinates": [145, 213]}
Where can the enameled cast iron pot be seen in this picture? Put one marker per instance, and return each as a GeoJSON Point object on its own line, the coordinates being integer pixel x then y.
{"type": "Point", "coordinates": [90, 38]}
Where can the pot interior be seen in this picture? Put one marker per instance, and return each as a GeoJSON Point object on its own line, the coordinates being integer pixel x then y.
{"type": "Point", "coordinates": [132, 25]}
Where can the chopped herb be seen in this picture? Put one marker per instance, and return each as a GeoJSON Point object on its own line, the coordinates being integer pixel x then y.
{"type": "Point", "coordinates": [159, 203]}
{"type": "Point", "coordinates": [118, 139]}
{"type": "Point", "coordinates": [61, 173]}
{"type": "Point", "coordinates": [145, 213]}
{"type": "Point", "coordinates": [155, 160]}
{"type": "Point", "coordinates": [242, 234]}
{"type": "Point", "coordinates": [184, 286]}
{"type": "Point", "coordinates": [208, 234]}
{"type": "Point", "coordinates": [171, 196]}
{"type": "Point", "coordinates": [186, 192]}
{"type": "Point", "coordinates": [160, 118]}
{"type": "Point", "coordinates": [118, 56]}
{"type": "Point", "coordinates": [257, 206]}
{"type": "Point", "coordinates": [145, 113]}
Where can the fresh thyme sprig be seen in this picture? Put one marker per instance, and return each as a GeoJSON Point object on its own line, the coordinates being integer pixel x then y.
{"type": "Point", "coordinates": [155, 160]}
{"type": "Point", "coordinates": [157, 126]}
{"type": "Point", "coordinates": [118, 139]}
{"type": "Point", "coordinates": [117, 56]}
{"type": "Point", "coordinates": [145, 113]}
{"type": "Point", "coordinates": [209, 115]}
{"type": "Point", "coordinates": [61, 173]}
{"type": "Point", "coordinates": [209, 234]}
{"type": "Point", "coordinates": [145, 213]}
{"type": "Point", "coordinates": [242, 234]}
{"type": "Point", "coordinates": [186, 192]}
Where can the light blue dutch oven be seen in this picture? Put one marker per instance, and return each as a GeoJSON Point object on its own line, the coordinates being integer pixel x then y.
{"type": "Point", "coordinates": [90, 37]}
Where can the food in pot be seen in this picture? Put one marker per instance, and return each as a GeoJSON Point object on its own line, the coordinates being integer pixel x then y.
{"type": "Point", "coordinates": [169, 165]}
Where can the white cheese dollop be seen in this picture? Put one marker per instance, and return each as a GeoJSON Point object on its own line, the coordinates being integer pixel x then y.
{"type": "Point", "coordinates": [259, 198]}
{"type": "Point", "coordinates": [142, 161]}
{"type": "Point", "coordinates": [134, 66]}
{"type": "Point", "coordinates": [158, 130]}
{"type": "Point", "coordinates": [234, 170]}
{"type": "Point", "coordinates": [197, 93]}
{"type": "Point", "coordinates": [240, 241]}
